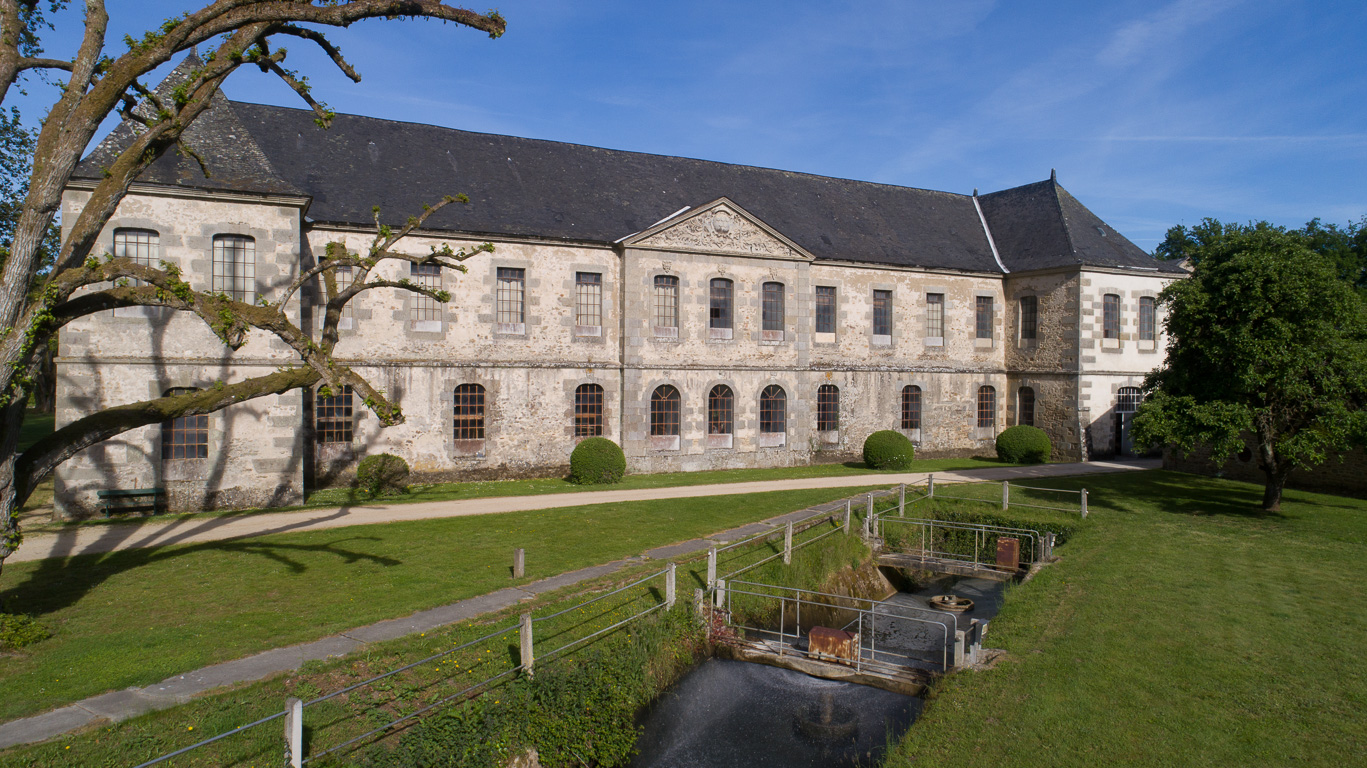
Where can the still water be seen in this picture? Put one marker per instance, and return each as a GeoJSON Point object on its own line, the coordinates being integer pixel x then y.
{"type": "Point", "coordinates": [727, 714]}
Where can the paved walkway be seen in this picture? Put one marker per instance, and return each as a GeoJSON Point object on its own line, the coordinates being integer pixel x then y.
{"type": "Point", "coordinates": [130, 702]}
{"type": "Point", "coordinates": [94, 539]}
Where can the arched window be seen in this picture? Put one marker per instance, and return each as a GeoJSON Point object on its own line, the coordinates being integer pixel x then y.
{"type": "Point", "coordinates": [332, 413]}
{"type": "Point", "coordinates": [911, 407]}
{"type": "Point", "coordinates": [721, 411]}
{"type": "Point", "coordinates": [588, 410]}
{"type": "Point", "coordinates": [1128, 399]}
{"type": "Point", "coordinates": [185, 437]}
{"type": "Point", "coordinates": [827, 408]}
{"type": "Point", "coordinates": [469, 412]}
{"type": "Point", "coordinates": [773, 410]}
{"type": "Point", "coordinates": [1025, 406]}
{"type": "Point", "coordinates": [664, 411]}
{"type": "Point", "coordinates": [987, 407]}
{"type": "Point", "coordinates": [234, 268]}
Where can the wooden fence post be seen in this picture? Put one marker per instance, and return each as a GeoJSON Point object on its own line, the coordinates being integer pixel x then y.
{"type": "Point", "coordinates": [294, 732]}
{"type": "Point", "coordinates": [525, 636]}
{"type": "Point", "coordinates": [930, 485]}
{"type": "Point", "coordinates": [902, 500]}
{"type": "Point", "coordinates": [669, 587]}
{"type": "Point", "coordinates": [1084, 503]}
{"type": "Point", "coordinates": [788, 543]}
{"type": "Point", "coordinates": [847, 517]}
{"type": "Point", "coordinates": [1006, 495]}
{"type": "Point", "coordinates": [711, 567]}
{"type": "Point", "coordinates": [720, 594]}
{"type": "Point", "coordinates": [519, 563]}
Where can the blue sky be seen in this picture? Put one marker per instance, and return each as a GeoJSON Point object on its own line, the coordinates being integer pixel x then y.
{"type": "Point", "coordinates": [1153, 113]}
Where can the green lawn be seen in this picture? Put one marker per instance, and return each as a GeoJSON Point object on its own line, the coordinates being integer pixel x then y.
{"type": "Point", "coordinates": [138, 616]}
{"type": "Point", "coordinates": [1181, 628]}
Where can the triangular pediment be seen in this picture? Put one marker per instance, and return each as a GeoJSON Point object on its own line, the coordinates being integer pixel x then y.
{"type": "Point", "coordinates": [720, 227]}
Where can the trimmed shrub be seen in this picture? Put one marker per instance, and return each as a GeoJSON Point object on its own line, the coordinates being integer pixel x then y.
{"type": "Point", "coordinates": [383, 474]}
{"type": "Point", "coordinates": [888, 449]}
{"type": "Point", "coordinates": [17, 631]}
{"type": "Point", "coordinates": [1023, 445]}
{"type": "Point", "coordinates": [597, 461]}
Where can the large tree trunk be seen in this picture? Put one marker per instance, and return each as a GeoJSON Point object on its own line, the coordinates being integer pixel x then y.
{"type": "Point", "coordinates": [1272, 491]}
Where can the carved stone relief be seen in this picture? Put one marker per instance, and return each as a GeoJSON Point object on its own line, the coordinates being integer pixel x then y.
{"type": "Point", "coordinates": [720, 230]}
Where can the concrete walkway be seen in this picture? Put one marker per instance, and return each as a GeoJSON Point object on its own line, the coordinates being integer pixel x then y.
{"type": "Point", "coordinates": [95, 539]}
{"type": "Point", "coordinates": [131, 702]}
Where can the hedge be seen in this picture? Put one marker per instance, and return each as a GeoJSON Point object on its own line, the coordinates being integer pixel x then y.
{"type": "Point", "coordinates": [596, 461]}
{"type": "Point", "coordinates": [888, 449]}
{"type": "Point", "coordinates": [383, 474]}
{"type": "Point", "coordinates": [1024, 445]}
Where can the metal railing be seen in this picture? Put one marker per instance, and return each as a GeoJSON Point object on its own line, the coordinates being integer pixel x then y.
{"type": "Point", "coordinates": [992, 492]}
{"type": "Point", "coordinates": [865, 623]}
{"type": "Point", "coordinates": [984, 539]}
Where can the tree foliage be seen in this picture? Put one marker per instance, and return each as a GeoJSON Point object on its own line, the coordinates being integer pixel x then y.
{"type": "Point", "coordinates": [1345, 247]}
{"type": "Point", "coordinates": [47, 284]}
{"type": "Point", "coordinates": [1268, 343]}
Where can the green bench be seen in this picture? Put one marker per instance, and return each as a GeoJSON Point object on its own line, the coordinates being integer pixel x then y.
{"type": "Point", "coordinates": [134, 500]}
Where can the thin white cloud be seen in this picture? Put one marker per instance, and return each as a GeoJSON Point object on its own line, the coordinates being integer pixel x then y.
{"type": "Point", "coordinates": [1140, 38]}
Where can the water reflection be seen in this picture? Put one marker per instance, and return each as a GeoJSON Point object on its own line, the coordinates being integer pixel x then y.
{"type": "Point", "coordinates": [730, 713]}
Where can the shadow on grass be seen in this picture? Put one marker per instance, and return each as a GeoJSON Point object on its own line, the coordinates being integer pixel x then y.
{"type": "Point", "coordinates": [62, 581]}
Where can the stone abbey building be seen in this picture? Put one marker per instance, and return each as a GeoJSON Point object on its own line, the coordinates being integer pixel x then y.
{"type": "Point", "coordinates": [703, 315]}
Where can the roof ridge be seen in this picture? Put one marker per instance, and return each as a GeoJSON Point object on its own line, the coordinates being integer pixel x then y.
{"type": "Point", "coordinates": [1054, 188]}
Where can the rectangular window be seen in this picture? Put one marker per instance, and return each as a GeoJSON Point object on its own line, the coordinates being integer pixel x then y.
{"type": "Point", "coordinates": [666, 305]}
{"type": "Point", "coordinates": [825, 309]}
{"type": "Point", "coordinates": [1110, 316]}
{"type": "Point", "coordinates": [332, 417]}
{"type": "Point", "coordinates": [510, 296]}
{"type": "Point", "coordinates": [771, 311]}
{"type": "Point", "coordinates": [719, 298]}
{"type": "Point", "coordinates": [424, 311]}
{"type": "Point", "coordinates": [234, 269]}
{"type": "Point", "coordinates": [1148, 318]}
{"type": "Point", "coordinates": [143, 246]}
{"type": "Point", "coordinates": [882, 313]}
{"type": "Point", "coordinates": [984, 317]}
{"type": "Point", "coordinates": [935, 315]}
{"type": "Point", "coordinates": [588, 301]}
{"type": "Point", "coordinates": [588, 410]}
{"type": "Point", "coordinates": [987, 407]}
{"type": "Point", "coordinates": [185, 437]}
{"type": "Point", "coordinates": [343, 277]}
{"type": "Point", "coordinates": [1029, 317]}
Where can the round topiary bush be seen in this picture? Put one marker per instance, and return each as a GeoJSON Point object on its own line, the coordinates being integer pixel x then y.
{"type": "Point", "coordinates": [1023, 445]}
{"type": "Point", "coordinates": [597, 461]}
{"type": "Point", "coordinates": [383, 474]}
{"type": "Point", "coordinates": [888, 449]}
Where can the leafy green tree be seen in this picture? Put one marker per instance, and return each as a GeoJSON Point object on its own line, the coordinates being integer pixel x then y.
{"type": "Point", "coordinates": [1266, 340]}
{"type": "Point", "coordinates": [46, 283]}
{"type": "Point", "coordinates": [1345, 247]}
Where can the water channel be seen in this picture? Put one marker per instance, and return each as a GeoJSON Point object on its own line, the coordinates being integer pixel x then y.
{"type": "Point", "coordinates": [733, 714]}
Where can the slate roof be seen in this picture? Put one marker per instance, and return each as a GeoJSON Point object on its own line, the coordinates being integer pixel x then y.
{"type": "Point", "coordinates": [235, 162]}
{"type": "Point", "coordinates": [552, 190]}
{"type": "Point", "coordinates": [1042, 226]}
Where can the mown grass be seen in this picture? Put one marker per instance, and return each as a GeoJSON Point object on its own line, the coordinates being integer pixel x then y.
{"type": "Point", "coordinates": [1182, 627]}
{"type": "Point", "coordinates": [138, 616]}
{"type": "Point", "coordinates": [339, 497]}
{"type": "Point", "coordinates": [339, 719]}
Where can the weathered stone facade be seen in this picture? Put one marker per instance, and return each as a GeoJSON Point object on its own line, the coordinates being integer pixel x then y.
{"type": "Point", "coordinates": [528, 368]}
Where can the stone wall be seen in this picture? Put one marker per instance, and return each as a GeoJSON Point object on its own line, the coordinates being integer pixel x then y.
{"type": "Point", "coordinates": [1344, 474]}
{"type": "Point", "coordinates": [264, 452]}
